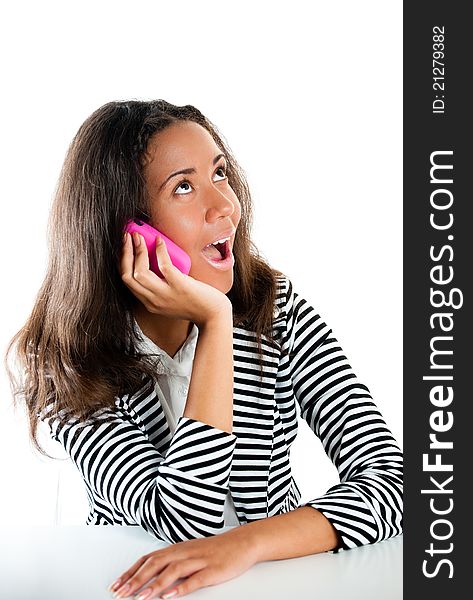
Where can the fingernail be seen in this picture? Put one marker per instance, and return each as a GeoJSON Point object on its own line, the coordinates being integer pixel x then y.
{"type": "Point", "coordinates": [169, 594]}
{"type": "Point", "coordinates": [159, 239]}
{"type": "Point", "coordinates": [114, 586]}
{"type": "Point", "coordinates": [137, 238]}
{"type": "Point", "coordinates": [144, 594]}
{"type": "Point", "coordinates": [125, 237]}
{"type": "Point", "coordinates": [122, 592]}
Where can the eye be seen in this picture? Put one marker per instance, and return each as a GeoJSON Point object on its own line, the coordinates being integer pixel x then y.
{"type": "Point", "coordinates": [182, 183]}
{"type": "Point", "coordinates": [223, 169]}
{"type": "Point", "coordinates": [185, 184]}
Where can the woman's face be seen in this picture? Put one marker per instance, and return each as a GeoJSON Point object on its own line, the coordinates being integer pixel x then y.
{"type": "Point", "coordinates": [196, 208]}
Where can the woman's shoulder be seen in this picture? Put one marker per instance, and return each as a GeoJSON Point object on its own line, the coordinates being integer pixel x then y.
{"type": "Point", "coordinates": [297, 313]}
{"type": "Point", "coordinates": [283, 285]}
{"type": "Point", "coordinates": [286, 296]}
{"type": "Point", "coordinates": [290, 298]}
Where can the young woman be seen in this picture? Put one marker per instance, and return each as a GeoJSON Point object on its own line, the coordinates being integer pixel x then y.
{"type": "Point", "coordinates": [175, 397]}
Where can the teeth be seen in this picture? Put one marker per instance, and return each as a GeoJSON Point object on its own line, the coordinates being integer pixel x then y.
{"type": "Point", "coordinates": [221, 241]}
{"type": "Point", "coordinates": [218, 242]}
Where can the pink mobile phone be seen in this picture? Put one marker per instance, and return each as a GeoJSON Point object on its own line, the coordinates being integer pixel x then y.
{"type": "Point", "coordinates": [179, 258]}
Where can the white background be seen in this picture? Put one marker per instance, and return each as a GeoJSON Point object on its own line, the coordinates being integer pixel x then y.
{"type": "Point", "coordinates": [308, 96]}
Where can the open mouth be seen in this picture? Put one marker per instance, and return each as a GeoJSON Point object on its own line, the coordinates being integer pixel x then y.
{"type": "Point", "coordinates": [217, 251]}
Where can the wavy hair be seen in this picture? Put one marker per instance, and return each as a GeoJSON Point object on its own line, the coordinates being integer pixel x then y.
{"type": "Point", "coordinates": [77, 350]}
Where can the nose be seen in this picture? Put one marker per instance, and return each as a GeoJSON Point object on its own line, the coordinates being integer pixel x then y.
{"type": "Point", "coordinates": [219, 204]}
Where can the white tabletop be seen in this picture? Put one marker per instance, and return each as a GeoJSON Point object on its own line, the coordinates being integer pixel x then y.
{"type": "Point", "coordinates": [78, 563]}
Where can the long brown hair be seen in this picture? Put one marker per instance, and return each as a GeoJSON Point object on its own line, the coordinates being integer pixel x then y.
{"type": "Point", "coordinates": [77, 349]}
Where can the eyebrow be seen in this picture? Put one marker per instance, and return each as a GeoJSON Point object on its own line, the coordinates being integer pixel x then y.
{"type": "Point", "coordinates": [188, 170]}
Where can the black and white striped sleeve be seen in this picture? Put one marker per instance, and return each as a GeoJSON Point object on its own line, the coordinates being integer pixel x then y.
{"type": "Point", "coordinates": [366, 506]}
{"type": "Point", "coordinates": [177, 497]}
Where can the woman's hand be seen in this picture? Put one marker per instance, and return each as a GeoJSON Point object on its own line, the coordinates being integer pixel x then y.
{"type": "Point", "coordinates": [213, 560]}
{"type": "Point", "coordinates": [202, 562]}
{"type": "Point", "coordinates": [177, 295]}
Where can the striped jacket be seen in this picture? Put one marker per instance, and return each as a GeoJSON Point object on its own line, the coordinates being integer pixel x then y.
{"type": "Point", "coordinates": [174, 486]}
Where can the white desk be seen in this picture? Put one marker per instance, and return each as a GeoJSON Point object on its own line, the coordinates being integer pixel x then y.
{"type": "Point", "coordinates": [78, 563]}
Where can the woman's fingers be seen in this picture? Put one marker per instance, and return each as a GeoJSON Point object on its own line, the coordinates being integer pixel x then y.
{"type": "Point", "coordinates": [126, 583]}
{"type": "Point", "coordinates": [127, 266]}
{"type": "Point", "coordinates": [126, 258]}
{"type": "Point", "coordinates": [142, 272]}
{"type": "Point", "coordinates": [168, 576]}
{"type": "Point", "coordinates": [155, 569]}
{"type": "Point", "coordinates": [141, 264]}
{"type": "Point", "coordinates": [164, 261]}
{"type": "Point", "coordinates": [196, 581]}
{"type": "Point", "coordinates": [187, 566]}
{"type": "Point", "coordinates": [119, 585]}
{"type": "Point", "coordinates": [134, 270]}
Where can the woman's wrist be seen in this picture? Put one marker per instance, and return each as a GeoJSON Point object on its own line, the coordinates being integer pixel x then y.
{"type": "Point", "coordinates": [217, 320]}
{"type": "Point", "coordinates": [249, 541]}
{"type": "Point", "coordinates": [299, 532]}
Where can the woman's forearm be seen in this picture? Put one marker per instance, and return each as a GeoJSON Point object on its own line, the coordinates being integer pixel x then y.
{"type": "Point", "coordinates": [221, 557]}
{"type": "Point", "coordinates": [210, 396]}
{"type": "Point", "coordinates": [296, 533]}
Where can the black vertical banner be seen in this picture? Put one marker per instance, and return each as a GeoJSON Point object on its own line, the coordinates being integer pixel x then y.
{"type": "Point", "coordinates": [438, 256]}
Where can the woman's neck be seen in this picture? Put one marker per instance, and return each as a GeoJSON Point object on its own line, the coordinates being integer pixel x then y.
{"type": "Point", "coordinates": [167, 333]}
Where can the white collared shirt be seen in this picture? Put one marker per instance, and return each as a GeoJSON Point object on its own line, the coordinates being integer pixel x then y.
{"type": "Point", "coordinates": [173, 382]}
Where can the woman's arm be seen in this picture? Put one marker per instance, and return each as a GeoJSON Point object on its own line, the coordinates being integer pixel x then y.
{"type": "Point", "coordinates": [296, 533]}
{"type": "Point", "coordinates": [213, 560]}
{"type": "Point", "coordinates": [210, 396]}
{"type": "Point", "coordinates": [172, 492]}
{"type": "Point", "coordinates": [171, 497]}
{"type": "Point", "coordinates": [366, 506]}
